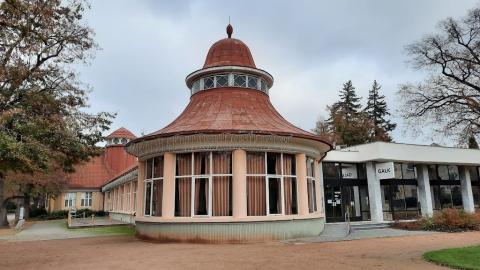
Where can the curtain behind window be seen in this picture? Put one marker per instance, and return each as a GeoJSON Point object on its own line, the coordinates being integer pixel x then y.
{"type": "Point", "coordinates": [256, 198]}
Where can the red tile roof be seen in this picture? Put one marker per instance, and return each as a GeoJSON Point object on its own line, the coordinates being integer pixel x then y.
{"type": "Point", "coordinates": [91, 174]}
{"type": "Point", "coordinates": [100, 169]}
{"type": "Point", "coordinates": [122, 133]}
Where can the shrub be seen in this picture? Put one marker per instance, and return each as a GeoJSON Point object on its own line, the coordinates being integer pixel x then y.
{"type": "Point", "coordinates": [451, 220]}
{"type": "Point", "coordinates": [37, 212]}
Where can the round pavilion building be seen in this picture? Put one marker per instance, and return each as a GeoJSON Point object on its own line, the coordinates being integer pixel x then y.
{"type": "Point", "coordinates": [230, 168]}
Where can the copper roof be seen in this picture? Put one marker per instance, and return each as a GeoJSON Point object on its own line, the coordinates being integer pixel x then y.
{"type": "Point", "coordinates": [229, 52]}
{"type": "Point", "coordinates": [122, 133]}
{"type": "Point", "coordinates": [231, 110]}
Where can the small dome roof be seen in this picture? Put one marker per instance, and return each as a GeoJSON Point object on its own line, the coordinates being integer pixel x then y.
{"type": "Point", "coordinates": [122, 133]}
{"type": "Point", "coordinates": [229, 52]}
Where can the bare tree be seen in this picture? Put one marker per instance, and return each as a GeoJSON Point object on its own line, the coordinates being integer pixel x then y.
{"type": "Point", "coordinates": [449, 98]}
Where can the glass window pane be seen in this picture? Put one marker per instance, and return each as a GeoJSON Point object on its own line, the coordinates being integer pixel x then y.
{"type": "Point", "coordinates": [474, 176]}
{"type": "Point", "coordinates": [289, 167]}
{"type": "Point", "coordinates": [157, 198]}
{"type": "Point", "coordinates": [196, 86]}
{"type": "Point", "coordinates": [208, 83]}
{"type": "Point", "coordinates": [274, 195]}
{"type": "Point", "coordinates": [201, 196]}
{"type": "Point", "coordinates": [252, 82]}
{"type": "Point", "coordinates": [263, 85]}
{"type": "Point", "coordinates": [239, 80]}
{"type": "Point", "coordinates": [432, 172]}
{"type": "Point", "coordinates": [222, 80]}
{"type": "Point", "coordinates": [349, 171]}
{"type": "Point", "coordinates": [256, 163]}
{"type": "Point", "coordinates": [408, 171]}
{"type": "Point", "coordinates": [457, 196]}
{"type": "Point", "coordinates": [398, 170]}
{"type": "Point", "coordinates": [222, 196]}
{"type": "Point", "coordinates": [148, 190]}
{"type": "Point", "coordinates": [290, 195]}
{"type": "Point", "coordinates": [256, 196]}
{"type": "Point", "coordinates": [183, 191]}
{"type": "Point", "coordinates": [331, 170]}
{"type": "Point", "coordinates": [310, 167]}
{"type": "Point", "coordinates": [387, 210]}
{"type": "Point", "coordinates": [274, 163]}
{"type": "Point", "coordinates": [202, 163]}
{"type": "Point", "coordinates": [476, 196]}
{"type": "Point", "coordinates": [411, 197]}
{"type": "Point", "coordinates": [443, 172]}
{"type": "Point", "coordinates": [362, 171]}
{"type": "Point", "coordinates": [148, 173]}
{"type": "Point", "coordinates": [222, 162]}
{"type": "Point", "coordinates": [312, 196]}
{"type": "Point", "coordinates": [445, 197]}
{"type": "Point", "coordinates": [158, 167]}
{"type": "Point", "coordinates": [453, 173]}
{"type": "Point", "coordinates": [183, 164]}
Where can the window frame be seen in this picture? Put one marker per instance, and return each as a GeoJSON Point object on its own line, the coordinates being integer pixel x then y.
{"type": "Point", "coordinates": [87, 199]}
{"type": "Point", "coordinates": [282, 177]}
{"type": "Point", "coordinates": [70, 199]}
{"type": "Point", "coordinates": [314, 182]}
{"type": "Point", "coordinates": [151, 181]}
{"type": "Point", "coordinates": [210, 176]}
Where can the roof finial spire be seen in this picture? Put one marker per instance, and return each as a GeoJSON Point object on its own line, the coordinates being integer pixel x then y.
{"type": "Point", "coordinates": [229, 28]}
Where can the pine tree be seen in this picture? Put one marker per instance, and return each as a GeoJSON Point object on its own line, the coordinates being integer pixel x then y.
{"type": "Point", "coordinates": [376, 110]}
{"type": "Point", "coordinates": [472, 143]}
{"type": "Point", "coordinates": [347, 124]}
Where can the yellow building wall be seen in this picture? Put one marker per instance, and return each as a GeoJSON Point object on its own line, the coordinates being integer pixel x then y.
{"type": "Point", "coordinates": [58, 203]}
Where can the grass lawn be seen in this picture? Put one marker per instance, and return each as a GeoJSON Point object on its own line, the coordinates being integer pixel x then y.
{"type": "Point", "coordinates": [460, 258]}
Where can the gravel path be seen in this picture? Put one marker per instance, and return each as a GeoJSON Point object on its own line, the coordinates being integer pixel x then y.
{"type": "Point", "coordinates": [129, 253]}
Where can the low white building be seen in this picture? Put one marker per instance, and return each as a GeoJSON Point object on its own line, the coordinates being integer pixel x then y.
{"type": "Point", "coordinates": [391, 181]}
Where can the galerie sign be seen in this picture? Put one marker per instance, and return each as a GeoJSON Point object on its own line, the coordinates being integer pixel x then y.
{"type": "Point", "coordinates": [385, 170]}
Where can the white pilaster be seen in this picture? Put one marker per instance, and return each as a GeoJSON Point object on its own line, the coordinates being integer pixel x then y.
{"type": "Point", "coordinates": [467, 195]}
{"type": "Point", "coordinates": [424, 190]}
{"type": "Point", "coordinates": [374, 194]}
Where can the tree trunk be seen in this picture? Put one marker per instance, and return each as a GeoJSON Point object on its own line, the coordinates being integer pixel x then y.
{"type": "Point", "coordinates": [3, 207]}
{"type": "Point", "coordinates": [26, 205]}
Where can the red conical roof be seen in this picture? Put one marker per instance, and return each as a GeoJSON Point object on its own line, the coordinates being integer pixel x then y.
{"type": "Point", "coordinates": [122, 133]}
{"type": "Point", "coordinates": [230, 109]}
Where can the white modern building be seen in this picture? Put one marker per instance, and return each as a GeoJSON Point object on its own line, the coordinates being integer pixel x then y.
{"type": "Point", "coordinates": [391, 181]}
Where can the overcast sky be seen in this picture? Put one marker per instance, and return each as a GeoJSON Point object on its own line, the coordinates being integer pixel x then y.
{"type": "Point", "coordinates": [310, 47]}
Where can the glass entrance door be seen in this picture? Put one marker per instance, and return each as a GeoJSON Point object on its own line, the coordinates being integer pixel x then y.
{"type": "Point", "coordinates": [340, 199]}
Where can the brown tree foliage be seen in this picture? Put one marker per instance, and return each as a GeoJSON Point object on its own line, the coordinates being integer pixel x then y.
{"type": "Point", "coordinates": [42, 103]}
{"type": "Point", "coordinates": [449, 98]}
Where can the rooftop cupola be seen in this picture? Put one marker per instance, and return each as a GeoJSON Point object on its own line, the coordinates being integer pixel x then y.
{"type": "Point", "coordinates": [229, 63]}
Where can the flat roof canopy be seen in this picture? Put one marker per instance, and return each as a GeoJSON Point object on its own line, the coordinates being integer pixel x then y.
{"type": "Point", "coordinates": [382, 151]}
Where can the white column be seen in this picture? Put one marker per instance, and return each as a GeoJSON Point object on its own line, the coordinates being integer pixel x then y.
{"type": "Point", "coordinates": [424, 190]}
{"type": "Point", "coordinates": [168, 196]}
{"type": "Point", "coordinates": [374, 194]}
{"type": "Point", "coordinates": [239, 190]}
{"type": "Point", "coordinates": [302, 190]}
{"type": "Point", "coordinates": [319, 187]}
{"type": "Point", "coordinates": [467, 195]}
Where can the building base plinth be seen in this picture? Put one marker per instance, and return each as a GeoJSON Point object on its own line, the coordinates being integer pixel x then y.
{"type": "Point", "coordinates": [232, 232]}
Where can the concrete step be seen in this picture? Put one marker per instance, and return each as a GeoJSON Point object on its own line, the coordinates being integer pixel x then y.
{"type": "Point", "coordinates": [368, 226]}
{"type": "Point", "coordinates": [334, 230]}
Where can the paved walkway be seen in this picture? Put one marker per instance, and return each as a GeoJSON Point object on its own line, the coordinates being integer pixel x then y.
{"type": "Point", "coordinates": [337, 232]}
{"type": "Point", "coordinates": [130, 253]}
{"type": "Point", "coordinates": [57, 229]}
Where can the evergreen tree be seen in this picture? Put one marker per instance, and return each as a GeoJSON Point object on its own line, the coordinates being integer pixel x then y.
{"type": "Point", "coordinates": [376, 110]}
{"type": "Point", "coordinates": [347, 124]}
{"type": "Point", "coordinates": [472, 143]}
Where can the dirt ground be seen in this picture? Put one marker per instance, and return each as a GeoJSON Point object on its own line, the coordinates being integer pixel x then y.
{"type": "Point", "coordinates": [127, 252]}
